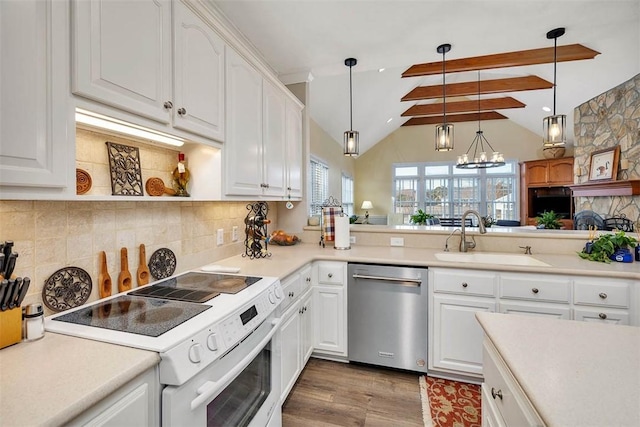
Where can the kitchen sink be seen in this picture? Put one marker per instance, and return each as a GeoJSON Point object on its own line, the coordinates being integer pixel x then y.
{"type": "Point", "coordinates": [491, 258]}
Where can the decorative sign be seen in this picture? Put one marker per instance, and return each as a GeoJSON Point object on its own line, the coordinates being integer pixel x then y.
{"type": "Point", "coordinates": [124, 165]}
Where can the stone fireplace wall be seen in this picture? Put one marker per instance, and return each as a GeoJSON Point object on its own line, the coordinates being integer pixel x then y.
{"type": "Point", "coordinates": [610, 119]}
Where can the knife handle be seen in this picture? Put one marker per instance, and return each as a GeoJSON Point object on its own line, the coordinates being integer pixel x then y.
{"type": "Point", "coordinates": [23, 291]}
{"type": "Point", "coordinates": [7, 294]}
{"type": "Point", "coordinates": [16, 291]}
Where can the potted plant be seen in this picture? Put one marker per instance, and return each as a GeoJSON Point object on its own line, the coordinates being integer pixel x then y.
{"type": "Point", "coordinates": [609, 247]}
{"type": "Point", "coordinates": [549, 220]}
{"type": "Point", "coordinates": [423, 218]}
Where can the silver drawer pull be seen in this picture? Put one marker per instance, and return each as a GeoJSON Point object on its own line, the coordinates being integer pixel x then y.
{"type": "Point", "coordinates": [407, 282]}
{"type": "Point", "coordinates": [603, 316]}
{"type": "Point", "coordinates": [291, 294]}
{"type": "Point", "coordinates": [496, 393]}
{"type": "Point", "coordinates": [464, 284]}
{"type": "Point", "coordinates": [602, 295]}
{"type": "Point", "coordinates": [330, 275]}
{"type": "Point", "coordinates": [535, 290]}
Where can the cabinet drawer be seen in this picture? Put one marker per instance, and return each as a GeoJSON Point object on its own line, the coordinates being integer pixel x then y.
{"type": "Point", "coordinates": [331, 273]}
{"type": "Point", "coordinates": [601, 293]}
{"type": "Point", "coordinates": [468, 282]}
{"type": "Point", "coordinates": [291, 290]}
{"type": "Point", "coordinates": [535, 287]}
{"type": "Point", "coordinates": [612, 316]}
{"type": "Point", "coordinates": [505, 394]}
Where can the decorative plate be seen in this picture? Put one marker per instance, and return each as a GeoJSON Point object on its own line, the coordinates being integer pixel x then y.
{"type": "Point", "coordinates": [67, 288]}
{"type": "Point", "coordinates": [83, 181]}
{"type": "Point", "coordinates": [162, 263]}
{"type": "Point", "coordinates": [124, 165]}
{"type": "Point", "coordinates": [154, 186]}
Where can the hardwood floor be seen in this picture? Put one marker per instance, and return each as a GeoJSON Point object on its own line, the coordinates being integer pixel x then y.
{"type": "Point", "coordinates": [340, 394]}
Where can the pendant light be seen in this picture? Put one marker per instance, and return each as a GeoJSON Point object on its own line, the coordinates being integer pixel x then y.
{"type": "Point", "coordinates": [478, 144]}
{"type": "Point", "coordinates": [444, 132]}
{"type": "Point", "coordinates": [554, 127]}
{"type": "Point", "coordinates": [351, 137]}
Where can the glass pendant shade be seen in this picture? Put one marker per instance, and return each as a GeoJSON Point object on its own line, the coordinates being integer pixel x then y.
{"type": "Point", "coordinates": [554, 131]}
{"type": "Point", "coordinates": [444, 137]}
{"type": "Point", "coordinates": [351, 143]}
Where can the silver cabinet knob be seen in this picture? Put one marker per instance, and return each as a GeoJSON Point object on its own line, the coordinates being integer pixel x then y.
{"type": "Point", "coordinates": [291, 294]}
{"type": "Point", "coordinates": [182, 111]}
{"type": "Point", "coordinates": [496, 393]}
{"type": "Point", "coordinates": [465, 284]}
{"type": "Point", "coordinates": [330, 275]}
{"type": "Point", "coordinates": [535, 290]}
{"type": "Point", "coordinates": [602, 295]}
{"type": "Point", "coordinates": [168, 105]}
{"type": "Point", "coordinates": [603, 316]}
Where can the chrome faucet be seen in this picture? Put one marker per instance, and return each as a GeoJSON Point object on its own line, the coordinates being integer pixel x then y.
{"type": "Point", "coordinates": [464, 244]}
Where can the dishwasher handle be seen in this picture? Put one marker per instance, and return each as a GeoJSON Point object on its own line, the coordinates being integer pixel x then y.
{"type": "Point", "coordinates": [398, 280]}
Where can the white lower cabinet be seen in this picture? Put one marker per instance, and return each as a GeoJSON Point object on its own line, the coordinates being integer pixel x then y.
{"type": "Point", "coordinates": [536, 309]}
{"type": "Point", "coordinates": [136, 403]}
{"type": "Point", "coordinates": [503, 401]}
{"type": "Point", "coordinates": [618, 317]}
{"type": "Point", "coordinates": [290, 333]}
{"type": "Point", "coordinates": [330, 320]}
{"type": "Point", "coordinates": [306, 327]}
{"type": "Point", "coordinates": [456, 338]}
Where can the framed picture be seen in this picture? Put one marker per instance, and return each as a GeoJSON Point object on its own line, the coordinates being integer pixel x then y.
{"type": "Point", "coordinates": [604, 164]}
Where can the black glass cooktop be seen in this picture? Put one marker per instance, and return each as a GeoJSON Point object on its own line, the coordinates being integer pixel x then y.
{"type": "Point", "coordinates": [196, 287]}
{"type": "Point", "coordinates": [143, 316]}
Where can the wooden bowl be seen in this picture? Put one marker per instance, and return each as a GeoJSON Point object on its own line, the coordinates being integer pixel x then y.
{"type": "Point", "coordinates": [83, 181]}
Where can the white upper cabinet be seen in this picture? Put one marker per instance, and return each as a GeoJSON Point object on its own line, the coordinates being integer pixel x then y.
{"type": "Point", "coordinates": [294, 151]}
{"type": "Point", "coordinates": [243, 151]}
{"type": "Point", "coordinates": [122, 54]}
{"type": "Point", "coordinates": [36, 143]}
{"type": "Point", "coordinates": [274, 139]}
{"type": "Point", "coordinates": [123, 57]}
{"type": "Point", "coordinates": [198, 75]}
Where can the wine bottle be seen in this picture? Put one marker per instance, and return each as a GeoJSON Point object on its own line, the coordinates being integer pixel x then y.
{"type": "Point", "coordinates": [181, 176]}
{"type": "Point", "coordinates": [256, 221]}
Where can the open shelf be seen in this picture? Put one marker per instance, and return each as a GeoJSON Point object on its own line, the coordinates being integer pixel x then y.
{"type": "Point", "coordinates": [608, 188]}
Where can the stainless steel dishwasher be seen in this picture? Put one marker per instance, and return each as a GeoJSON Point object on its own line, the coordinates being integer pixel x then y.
{"type": "Point", "coordinates": [387, 320]}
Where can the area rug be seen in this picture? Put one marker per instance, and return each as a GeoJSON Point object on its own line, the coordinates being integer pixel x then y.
{"type": "Point", "coordinates": [448, 403]}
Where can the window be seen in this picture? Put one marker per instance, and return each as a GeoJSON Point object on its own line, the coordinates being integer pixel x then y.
{"type": "Point", "coordinates": [446, 192]}
{"type": "Point", "coordinates": [319, 187]}
{"type": "Point", "coordinates": [347, 194]}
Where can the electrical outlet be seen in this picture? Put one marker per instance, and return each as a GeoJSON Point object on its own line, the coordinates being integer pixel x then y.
{"type": "Point", "coordinates": [352, 239]}
{"type": "Point", "coordinates": [220, 239]}
{"type": "Point", "coordinates": [397, 241]}
{"type": "Point", "coordinates": [234, 233]}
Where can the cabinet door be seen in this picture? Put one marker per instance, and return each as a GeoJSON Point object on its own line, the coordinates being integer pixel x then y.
{"type": "Point", "coordinates": [306, 327]}
{"type": "Point", "coordinates": [561, 171]}
{"type": "Point", "coordinates": [490, 415]}
{"type": "Point", "coordinates": [36, 139]}
{"type": "Point", "coordinates": [294, 151]}
{"type": "Point", "coordinates": [291, 350]}
{"type": "Point", "coordinates": [329, 320]}
{"type": "Point", "coordinates": [456, 341]}
{"type": "Point", "coordinates": [243, 147]}
{"type": "Point", "coordinates": [198, 75]}
{"type": "Point", "coordinates": [274, 139]}
{"type": "Point", "coordinates": [122, 54]}
{"type": "Point", "coordinates": [537, 173]}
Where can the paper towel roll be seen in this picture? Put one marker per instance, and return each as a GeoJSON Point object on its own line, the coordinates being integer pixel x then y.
{"type": "Point", "coordinates": [342, 238]}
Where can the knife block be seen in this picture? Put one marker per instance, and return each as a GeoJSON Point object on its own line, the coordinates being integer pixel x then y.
{"type": "Point", "coordinates": [10, 327]}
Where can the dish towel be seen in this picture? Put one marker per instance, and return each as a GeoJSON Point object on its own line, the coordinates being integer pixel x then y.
{"type": "Point", "coordinates": [329, 223]}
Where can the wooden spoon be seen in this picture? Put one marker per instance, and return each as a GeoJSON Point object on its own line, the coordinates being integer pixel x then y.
{"type": "Point", "coordinates": [124, 278]}
{"type": "Point", "coordinates": [143, 270]}
{"type": "Point", "coordinates": [104, 280]}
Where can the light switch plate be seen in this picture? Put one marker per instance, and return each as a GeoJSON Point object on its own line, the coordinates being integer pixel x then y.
{"type": "Point", "coordinates": [220, 239]}
{"type": "Point", "coordinates": [234, 233]}
{"type": "Point", "coordinates": [397, 241]}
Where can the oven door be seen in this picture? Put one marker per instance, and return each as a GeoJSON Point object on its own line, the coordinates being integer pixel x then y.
{"type": "Point", "coordinates": [242, 388]}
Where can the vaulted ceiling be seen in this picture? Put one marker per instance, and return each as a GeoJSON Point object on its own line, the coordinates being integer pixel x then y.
{"type": "Point", "coordinates": [298, 37]}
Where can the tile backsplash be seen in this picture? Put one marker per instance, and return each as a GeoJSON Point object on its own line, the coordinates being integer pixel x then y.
{"type": "Point", "coordinates": [50, 235]}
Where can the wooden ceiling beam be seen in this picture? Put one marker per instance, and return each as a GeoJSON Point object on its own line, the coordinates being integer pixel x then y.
{"type": "Point", "coordinates": [464, 106]}
{"type": "Point", "coordinates": [456, 118]}
{"type": "Point", "coordinates": [513, 84]}
{"type": "Point", "coordinates": [573, 52]}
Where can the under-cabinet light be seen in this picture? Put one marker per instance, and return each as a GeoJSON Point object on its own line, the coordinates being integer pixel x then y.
{"type": "Point", "coordinates": [390, 119]}
{"type": "Point", "coordinates": [109, 123]}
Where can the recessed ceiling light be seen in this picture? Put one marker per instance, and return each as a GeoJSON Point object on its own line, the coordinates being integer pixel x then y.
{"type": "Point", "coordinates": [381, 70]}
{"type": "Point", "coordinates": [390, 118]}
{"type": "Point", "coordinates": [547, 109]}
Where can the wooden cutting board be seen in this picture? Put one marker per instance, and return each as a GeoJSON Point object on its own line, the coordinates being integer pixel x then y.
{"type": "Point", "coordinates": [143, 270]}
{"type": "Point", "coordinates": [124, 278]}
{"type": "Point", "coordinates": [104, 280]}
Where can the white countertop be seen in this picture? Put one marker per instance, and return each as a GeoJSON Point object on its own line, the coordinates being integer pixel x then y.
{"type": "Point", "coordinates": [574, 373]}
{"type": "Point", "coordinates": [53, 380]}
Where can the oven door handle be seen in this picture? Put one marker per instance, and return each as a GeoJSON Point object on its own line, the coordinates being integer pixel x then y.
{"type": "Point", "coordinates": [211, 389]}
